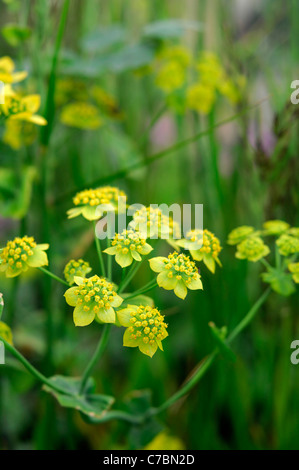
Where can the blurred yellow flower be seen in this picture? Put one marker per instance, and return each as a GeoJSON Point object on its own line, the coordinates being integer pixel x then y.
{"type": "Point", "coordinates": [6, 333]}
{"type": "Point", "coordinates": [200, 97]}
{"type": "Point", "coordinates": [275, 227]}
{"type": "Point", "coordinates": [171, 76]}
{"type": "Point", "coordinates": [164, 441]}
{"type": "Point", "coordinates": [21, 254]}
{"type": "Point", "coordinates": [287, 244]}
{"type": "Point", "coordinates": [252, 249]}
{"type": "Point", "coordinates": [146, 328]}
{"type": "Point", "coordinates": [7, 74]}
{"type": "Point", "coordinates": [239, 234]}
{"type": "Point", "coordinates": [22, 108]}
{"type": "Point", "coordinates": [18, 133]}
{"type": "Point", "coordinates": [76, 268]}
{"type": "Point", "coordinates": [294, 269]}
{"type": "Point", "coordinates": [81, 115]}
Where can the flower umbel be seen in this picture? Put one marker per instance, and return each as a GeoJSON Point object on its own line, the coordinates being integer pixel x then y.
{"type": "Point", "coordinates": [7, 73]}
{"type": "Point", "coordinates": [275, 227]}
{"type": "Point", "coordinates": [145, 328]}
{"type": "Point", "coordinates": [94, 299]}
{"type": "Point", "coordinates": [177, 272]}
{"type": "Point", "coordinates": [252, 249]}
{"type": "Point", "coordinates": [21, 254]}
{"type": "Point", "coordinates": [203, 246]}
{"type": "Point", "coordinates": [239, 234]}
{"type": "Point", "coordinates": [128, 246]}
{"type": "Point", "coordinates": [287, 245]}
{"type": "Point", "coordinates": [152, 223]}
{"type": "Point", "coordinates": [76, 268]}
{"type": "Point", "coordinates": [294, 269]}
{"type": "Point", "coordinates": [22, 108]}
{"type": "Point", "coordinates": [87, 202]}
{"type": "Point", "coordinates": [81, 115]}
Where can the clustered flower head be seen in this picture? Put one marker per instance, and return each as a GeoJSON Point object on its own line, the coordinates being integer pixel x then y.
{"type": "Point", "coordinates": [81, 115]}
{"type": "Point", "coordinates": [87, 202]}
{"type": "Point", "coordinates": [128, 246]}
{"type": "Point", "coordinates": [203, 246]}
{"type": "Point", "coordinates": [177, 272]}
{"type": "Point", "coordinates": [172, 63]}
{"type": "Point", "coordinates": [7, 71]}
{"type": "Point", "coordinates": [152, 223]}
{"type": "Point", "coordinates": [239, 234]}
{"type": "Point", "coordinates": [252, 249]}
{"type": "Point", "coordinates": [21, 254]}
{"type": "Point", "coordinates": [74, 268]}
{"type": "Point", "coordinates": [145, 328]}
{"type": "Point", "coordinates": [21, 108]}
{"type": "Point", "coordinates": [275, 227]}
{"type": "Point", "coordinates": [287, 245]}
{"type": "Point", "coordinates": [294, 269]}
{"type": "Point", "coordinates": [94, 298]}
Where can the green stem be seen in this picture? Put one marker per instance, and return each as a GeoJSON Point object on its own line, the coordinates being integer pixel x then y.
{"type": "Point", "coordinates": [208, 361]}
{"type": "Point", "coordinates": [99, 251]}
{"type": "Point", "coordinates": [45, 271]}
{"type": "Point", "coordinates": [97, 355]}
{"type": "Point", "coordinates": [33, 371]}
{"type": "Point", "coordinates": [134, 268]}
{"type": "Point", "coordinates": [151, 285]}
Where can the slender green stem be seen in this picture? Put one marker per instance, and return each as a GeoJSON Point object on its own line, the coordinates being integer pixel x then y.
{"type": "Point", "coordinates": [99, 251]}
{"type": "Point", "coordinates": [109, 261]}
{"type": "Point", "coordinates": [45, 271]}
{"type": "Point", "coordinates": [208, 361]}
{"type": "Point", "coordinates": [149, 287]}
{"type": "Point", "coordinates": [33, 371]}
{"type": "Point", "coordinates": [97, 355]}
{"type": "Point", "coordinates": [277, 257]}
{"type": "Point", "coordinates": [265, 263]}
{"type": "Point", "coordinates": [134, 268]}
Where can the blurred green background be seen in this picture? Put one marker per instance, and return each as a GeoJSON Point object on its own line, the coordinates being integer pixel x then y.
{"type": "Point", "coordinates": [243, 172]}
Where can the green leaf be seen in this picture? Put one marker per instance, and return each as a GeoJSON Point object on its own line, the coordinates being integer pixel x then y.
{"type": "Point", "coordinates": [15, 34]}
{"type": "Point", "coordinates": [219, 336]}
{"type": "Point", "coordinates": [170, 28]}
{"type": "Point", "coordinates": [90, 404]}
{"type": "Point", "coordinates": [102, 39]}
{"type": "Point", "coordinates": [138, 402]}
{"type": "Point", "coordinates": [280, 281]}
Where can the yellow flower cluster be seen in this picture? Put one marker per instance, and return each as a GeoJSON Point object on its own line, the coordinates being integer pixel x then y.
{"type": "Point", "coordinates": [239, 234]}
{"type": "Point", "coordinates": [94, 298]}
{"type": "Point", "coordinates": [294, 269]}
{"type": "Point", "coordinates": [203, 246]}
{"type": "Point", "coordinates": [21, 254]}
{"type": "Point", "coordinates": [81, 115]}
{"type": "Point", "coordinates": [76, 268]}
{"type": "Point", "coordinates": [152, 223]}
{"type": "Point", "coordinates": [16, 106]}
{"type": "Point", "coordinates": [252, 249]}
{"type": "Point", "coordinates": [145, 328]}
{"type": "Point", "coordinates": [287, 245]}
{"type": "Point", "coordinates": [275, 227]}
{"type": "Point", "coordinates": [172, 65]}
{"type": "Point", "coordinates": [128, 246]}
{"type": "Point", "coordinates": [177, 272]}
{"type": "Point", "coordinates": [87, 202]}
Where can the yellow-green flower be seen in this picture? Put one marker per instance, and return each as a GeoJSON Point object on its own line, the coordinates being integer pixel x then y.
{"type": "Point", "coordinates": [19, 133]}
{"type": "Point", "coordinates": [275, 227]}
{"type": "Point", "coordinates": [287, 244]}
{"type": "Point", "coordinates": [152, 223]}
{"type": "Point", "coordinates": [87, 202]}
{"type": "Point", "coordinates": [81, 115]}
{"type": "Point", "coordinates": [106, 102]}
{"type": "Point", "coordinates": [203, 246]}
{"type": "Point", "coordinates": [6, 333]}
{"type": "Point", "coordinates": [21, 254]}
{"type": "Point", "coordinates": [177, 272]}
{"type": "Point", "coordinates": [94, 298]}
{"type": "Point", "coordinates": [239, 234]}
{"type": "Point", "coordinates": [200, 97]}
{"type": "Point", "coordinates": [177, 53]}
{"type": "Point", "coordinates": [7, 74]}
{"type": "Point", "coordinates": [70, 89]}
{"type": "Point", "coordinates": [22, 108]}
{"type": "Point", "coordinates": [74, 268]}
{"type": "Point", "coordinates": [252, 249]}
{"type": "Point", "coordinates": [145, 328]}
{"type": "Point", "coordinates": [294, 231]}
{"type": "Point", "coordinates": [294, 269]}
{"type": "Point", "coordinates": [164, 441]}
{"type": "Point", "coordinates": [171, 76]}
{"type": "Point", "coordinates": [128, 246]}
{"type": "Point", "coordinates": [210, 70]}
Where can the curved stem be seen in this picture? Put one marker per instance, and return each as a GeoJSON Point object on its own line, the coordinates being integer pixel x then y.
{"type": "Point", "coordinates": [134, 268]}
{"type": "Point", "coordinates": [45, 271]}
{"type": "Point", "coordinates": [33, 371]}
{"type": "Point", "coordinates": [208, 361]}
{"type": "Point", "coordinates": [146, 288]}
{"type": "Point", "coordinates": [97, 354]}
